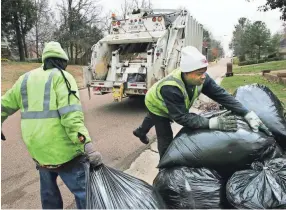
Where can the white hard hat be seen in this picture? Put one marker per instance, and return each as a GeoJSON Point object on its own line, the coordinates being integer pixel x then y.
{"type": "Point", "coordinates": [192, 59]}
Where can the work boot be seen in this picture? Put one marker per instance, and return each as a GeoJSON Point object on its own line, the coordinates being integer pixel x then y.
{"type": "Point", "coordinates": [143, 137]}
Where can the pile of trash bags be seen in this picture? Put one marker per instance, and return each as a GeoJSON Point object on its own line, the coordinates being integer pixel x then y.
{"type": "Point", "coordinates": [261, 187]}
{"type": "Point", "coordinates": [216, 169]}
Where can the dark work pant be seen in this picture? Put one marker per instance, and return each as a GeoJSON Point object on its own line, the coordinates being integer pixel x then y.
{"type": "Point", "coordinates": [163, 131]}
{"type": "Point", "coordinates": [147, 124]}
{"type": "Point", "coordinates": [73, 175]}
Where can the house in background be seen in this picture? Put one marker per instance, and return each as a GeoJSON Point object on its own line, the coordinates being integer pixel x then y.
{"type": "Point", "coordinates": [282, 49]}
{"type": "Point", "coordinates": [5, 50]}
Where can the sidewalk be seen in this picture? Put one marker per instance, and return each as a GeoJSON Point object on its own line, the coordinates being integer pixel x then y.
{"type": "Point", "coordinates": [144, 167]}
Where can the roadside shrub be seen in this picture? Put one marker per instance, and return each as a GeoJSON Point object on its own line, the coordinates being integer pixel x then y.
{"type": "Point", "coordinates": [261, 61]}
{"type": "Point", "coordinates": [277, 58]}
{"type": "Point", "coordinates": [5, 60]}
{"type": "Point", "coordinates": [242, 58]}
{"type": "Point", "coordinates": [235, 60]}
{"type": "Point", "coordinates": [273, 55]}
{"type": "Point", "coordinates": [34, 60]}
{"type": "Point", "coordinates": [249, 62]}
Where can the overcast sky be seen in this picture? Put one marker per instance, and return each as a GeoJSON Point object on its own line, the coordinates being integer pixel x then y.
{"type": "Point", "coordinates": [218, 16]}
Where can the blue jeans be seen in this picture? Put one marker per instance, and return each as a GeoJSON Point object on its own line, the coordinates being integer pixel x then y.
{"type": "Point", "coordinates": [73, 175]}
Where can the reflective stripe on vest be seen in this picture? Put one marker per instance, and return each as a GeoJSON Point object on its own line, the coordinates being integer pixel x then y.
{"type": "Point", "coordinates": [40, 114]}
{"type": "Point", "coordinates": [71, 108]}
{"type": "Point", "coordinates": [24, 92]}
{"type": "Point", "coordinates": [47, 93]}
{"type": "Point", "coordinates": [46, 113]}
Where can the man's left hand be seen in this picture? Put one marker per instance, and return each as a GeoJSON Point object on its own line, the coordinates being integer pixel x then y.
{"type": "Point", "coordinates": [94, 157]}
{"type": "Point", "coordinates": [255, 123]}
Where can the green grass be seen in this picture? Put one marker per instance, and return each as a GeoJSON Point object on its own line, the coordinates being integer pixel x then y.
{"type": "Point", "coordinates": [232, 83]}
{"type": "Point", "coordinates": [257, 68]}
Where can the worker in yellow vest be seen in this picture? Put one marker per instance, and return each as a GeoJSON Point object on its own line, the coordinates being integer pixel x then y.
{"type": "Point", "coordinates": [52, 124]}
{"type": "Point", "coordinates": [171, 98]}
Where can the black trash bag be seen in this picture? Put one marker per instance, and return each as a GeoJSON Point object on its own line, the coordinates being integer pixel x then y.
{"type": "Point", "coordinates": [262, 187]}
{"type": "Point", "coordinates": [135, 77]}
{"type": "Point", "coordinates": [277, 153]}
{"type": "Point", "coordinates": [267, 106]}
{"type": "Point", "coordinates": [225, 152]}
{"type": "Point", "coordinates": [190, 188]}
{"type": "Point", "coordinates": [108, 188]}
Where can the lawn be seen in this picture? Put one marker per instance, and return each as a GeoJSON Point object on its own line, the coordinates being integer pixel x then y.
{"type": "Point", "coordinates": [232, 83]}
{"type": "Point", "coordinates": [11, 71]}
{"type": "Point", "coordinates": [257, 68]}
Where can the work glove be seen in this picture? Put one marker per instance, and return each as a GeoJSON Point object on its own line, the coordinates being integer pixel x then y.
{"type": "Point", "coordinates": [223, 122]}
{"type": "Point", "coordinates": [255, 123]}
{"type": "Point", "coordinates": [94, 157]}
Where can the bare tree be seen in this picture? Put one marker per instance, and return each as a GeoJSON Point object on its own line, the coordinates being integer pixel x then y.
{"type": "Point", "coordinates": [44, 28]}
{"type": "Point", "coordinates": [134, 4]}
{"type": "Point", "coordinates": [17, 19]}
{"type": "Point", "coordinates": [78, 19]}
{"type": "Point", "coordinates": [146, 4]}
{"type": "Point", "coordinates": [125, 8]}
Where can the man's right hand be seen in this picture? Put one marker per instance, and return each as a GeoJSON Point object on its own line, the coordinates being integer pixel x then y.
{"type": "Point", "coordinates": [94, 157]}
{"type": "Point", "coordinates": [223, 123]}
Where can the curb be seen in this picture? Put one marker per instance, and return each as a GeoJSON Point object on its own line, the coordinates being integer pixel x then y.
{"type": "Point", "coordinates": [127, 161]}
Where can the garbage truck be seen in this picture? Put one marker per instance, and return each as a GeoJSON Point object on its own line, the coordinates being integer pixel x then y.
{"type": "Point", "coordinates": [140, 50]}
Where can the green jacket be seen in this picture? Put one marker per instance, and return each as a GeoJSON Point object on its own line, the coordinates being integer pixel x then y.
{"type": "Point", "coordinates": [154, 100]}
{"type": "Point", "coordinates": [49, 124]}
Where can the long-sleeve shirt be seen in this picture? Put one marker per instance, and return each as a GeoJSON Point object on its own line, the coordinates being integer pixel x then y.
{"type": "Point", "coordinates": [175, 102]}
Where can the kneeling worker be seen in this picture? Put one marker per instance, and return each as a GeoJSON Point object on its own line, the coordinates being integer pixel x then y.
{"type": "Point", "coordinates": [171, 98]}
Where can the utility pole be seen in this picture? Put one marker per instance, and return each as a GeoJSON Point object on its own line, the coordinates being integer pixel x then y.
{"type": "Point", "coordinates": [206, 48]}
{"type": "Point", "coordinates": [205, 45]}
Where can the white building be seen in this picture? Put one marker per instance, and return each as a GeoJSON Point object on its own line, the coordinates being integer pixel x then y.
{"type": "Point", "coordinates": [283, 47]}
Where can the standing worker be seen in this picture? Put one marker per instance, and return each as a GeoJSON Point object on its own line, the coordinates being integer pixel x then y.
{"type": "Point", "coordinates": [52, 124]}
{"type": "Point", "coordinates": [171, 98]}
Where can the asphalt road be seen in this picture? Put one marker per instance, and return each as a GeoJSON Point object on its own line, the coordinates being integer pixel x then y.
{"type": "Point", "coordinates": [110, 125]}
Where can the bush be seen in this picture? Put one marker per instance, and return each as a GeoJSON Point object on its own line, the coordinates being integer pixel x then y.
{"type": "Point", "coordinates": [273, 55]}
{"type": "Point", "coordinates": [250, 62]}
{"type": "Point", "coordinates": [244, 63]}
{"type": "Point", "coordinates": [241, 58]}
{"type": "Point", "coordinates": [4, 60]}
{"type": "Point", "coordinates": [261, 61]}
{"type": "Point", "coordinates": [235, 60]}
{"type": "Point", "coordinates": [34, 60]}
{"type": "Point", "coordinates": [275, 59]}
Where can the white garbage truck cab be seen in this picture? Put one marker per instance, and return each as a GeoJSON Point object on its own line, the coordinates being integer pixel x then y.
{"type": "Point", "coordinates": [140, 50]}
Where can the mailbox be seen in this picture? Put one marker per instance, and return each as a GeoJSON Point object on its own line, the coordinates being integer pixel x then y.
{"type": "Point", "coordinates": [229, 72]}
